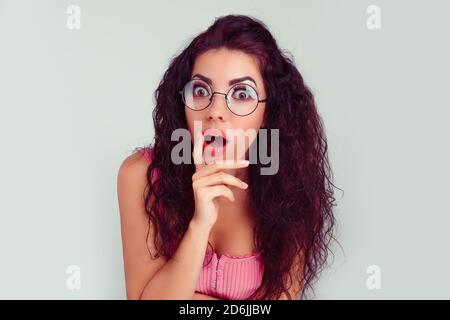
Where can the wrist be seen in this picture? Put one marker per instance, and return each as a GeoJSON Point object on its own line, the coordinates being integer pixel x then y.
{"type": "Point", "coordinates": [199, 227]}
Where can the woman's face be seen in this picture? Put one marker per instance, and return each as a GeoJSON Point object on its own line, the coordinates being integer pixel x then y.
{"type": "Point", "coordinates": [222, 66]}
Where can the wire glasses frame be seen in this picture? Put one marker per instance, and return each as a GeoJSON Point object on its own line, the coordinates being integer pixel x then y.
{"type": "Point", "coordinates": [227, 97]}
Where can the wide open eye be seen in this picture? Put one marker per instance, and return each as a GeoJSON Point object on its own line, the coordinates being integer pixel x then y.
{"type": "Point", "coordinates": [199, 88]}
{"type": "Point", "coordinates": [243, 93]}
{"type": "Point", "coordinates": [200, 91]}
{"type": "Point", "coordinates": [197, 94]}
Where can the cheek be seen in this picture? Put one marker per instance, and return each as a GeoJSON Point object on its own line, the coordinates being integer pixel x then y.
{"type": "Point", "coordinates": [254, 121]}
{"type": "Point", "coordinates": [251, 123]}
{"type": "Point", "coordinates": [259, 114]}
{"type": "Point", "coordinates": [191, 117]}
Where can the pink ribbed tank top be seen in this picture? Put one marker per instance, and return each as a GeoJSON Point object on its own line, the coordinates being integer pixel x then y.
{"type": "Point", "coordinates": [229, 276]}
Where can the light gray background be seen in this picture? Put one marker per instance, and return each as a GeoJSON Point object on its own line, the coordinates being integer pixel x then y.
{"type": "Point", "coordinates": [75, 103]}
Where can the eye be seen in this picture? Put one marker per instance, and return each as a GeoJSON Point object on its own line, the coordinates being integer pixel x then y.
{"type": "Point", "coordinates": [243, 93]}
{"type": "Point", "coordinates": [200, 91]}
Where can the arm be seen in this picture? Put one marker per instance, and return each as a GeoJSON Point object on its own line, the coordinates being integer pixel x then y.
{"type": "Point", "coordinates": [159, 278]}
{"type": "Point", "coordinates": [177, 279]}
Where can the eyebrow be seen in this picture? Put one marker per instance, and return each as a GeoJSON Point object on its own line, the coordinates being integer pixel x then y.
{"type": "Point", "coordinates": [231, 82]}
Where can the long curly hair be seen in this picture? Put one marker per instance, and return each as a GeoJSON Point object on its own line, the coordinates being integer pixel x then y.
{"type": "Point", "coordinates": [294, 216]}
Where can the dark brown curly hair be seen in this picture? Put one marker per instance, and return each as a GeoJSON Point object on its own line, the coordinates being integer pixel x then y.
{"type": "Point", "coordinates": [294, 207]}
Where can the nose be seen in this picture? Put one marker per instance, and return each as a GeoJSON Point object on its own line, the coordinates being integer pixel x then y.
{"type": "Point", "coordinates": [218, 107]}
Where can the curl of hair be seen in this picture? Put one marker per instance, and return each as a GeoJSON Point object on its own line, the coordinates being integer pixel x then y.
{"type": "Point", "coordinates": [295, 221]}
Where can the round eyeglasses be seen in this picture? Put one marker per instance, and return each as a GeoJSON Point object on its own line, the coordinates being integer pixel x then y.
{"type": "Point", "coordinates": [241, 98]}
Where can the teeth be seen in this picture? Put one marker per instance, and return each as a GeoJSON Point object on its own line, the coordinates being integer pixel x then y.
{"type": "Point", "coordinates": [215, 139]}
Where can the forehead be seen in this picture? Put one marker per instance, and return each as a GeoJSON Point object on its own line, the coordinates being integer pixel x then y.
{"type": "Point", "coordinates": [222, 65]}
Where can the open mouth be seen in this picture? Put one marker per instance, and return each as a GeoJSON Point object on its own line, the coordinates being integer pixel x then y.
{"type": "Point", "coordinates": [215, 140]}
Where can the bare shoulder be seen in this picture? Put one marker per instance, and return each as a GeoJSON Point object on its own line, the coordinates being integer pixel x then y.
{"type": "Point", "coordinates": [133, 168]}
{"type": "Point", "coordinates": [131, 189]}
{"type": "Point", "coordinates": [131, 185]}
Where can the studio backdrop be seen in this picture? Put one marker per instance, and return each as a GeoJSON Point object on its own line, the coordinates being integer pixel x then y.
{"type": "Point", "coordinates": [77, 82]}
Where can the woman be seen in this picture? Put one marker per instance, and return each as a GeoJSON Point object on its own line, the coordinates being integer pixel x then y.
{"type": "Point", "coordinates": [224, 230]}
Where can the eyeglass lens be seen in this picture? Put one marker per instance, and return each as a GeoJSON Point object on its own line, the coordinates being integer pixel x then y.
{"type": "Point", "coordinates": [241, 99]}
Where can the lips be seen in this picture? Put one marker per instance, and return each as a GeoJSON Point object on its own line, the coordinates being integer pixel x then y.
{"type": "Point", "coordinates": [215, 135]}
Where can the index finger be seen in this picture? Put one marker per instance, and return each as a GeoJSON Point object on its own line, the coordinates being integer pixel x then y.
{"type": "Point", "coordinates": [197, 153]}
{"type": "Point", "coordinates": [218, 166]}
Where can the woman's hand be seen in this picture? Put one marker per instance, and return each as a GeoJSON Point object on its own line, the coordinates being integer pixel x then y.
{"type": "Point", "coordinates": [209, 182]}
